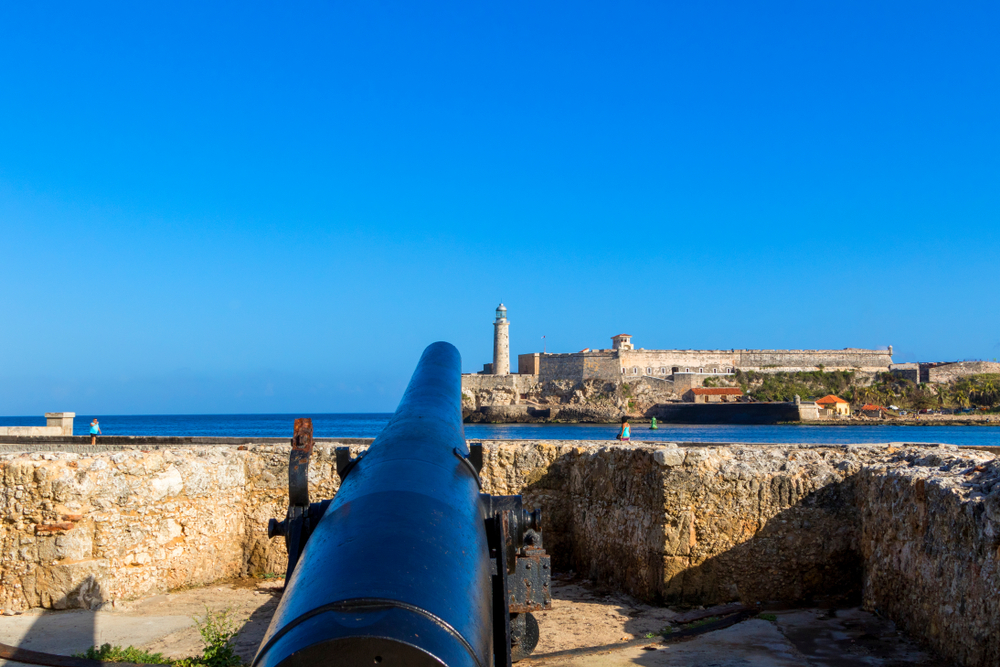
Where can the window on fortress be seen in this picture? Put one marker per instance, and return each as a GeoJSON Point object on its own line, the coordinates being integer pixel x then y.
{"type": "Point", "coordinates": [663, 370]}
{"type": "Point", "coordinates": [635, 370]}
{"type": "Point", "coordinates": [623, 371]}
{"type": "Point", "coordinates": [649, 371]}
{"type": "Point", "coordinates": [701, 370]}
{"type": "Point", "coordinates": [687, 370]}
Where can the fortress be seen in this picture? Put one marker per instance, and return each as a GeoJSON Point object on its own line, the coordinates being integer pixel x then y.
{"type": "Point", "coordinates": [601, 385]}
{"type": "Point", "coordinates": [624, 362]}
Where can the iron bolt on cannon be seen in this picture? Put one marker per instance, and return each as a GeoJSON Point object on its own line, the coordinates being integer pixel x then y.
{"type": "Point", "coordinates": [410, 564]}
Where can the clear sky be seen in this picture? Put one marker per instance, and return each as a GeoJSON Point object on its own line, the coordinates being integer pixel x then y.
{"type": "Point", "coordinates": [273, 207]}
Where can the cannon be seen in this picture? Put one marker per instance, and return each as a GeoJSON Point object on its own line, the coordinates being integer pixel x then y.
{"type": "Point", "coordinates": [410, 564]}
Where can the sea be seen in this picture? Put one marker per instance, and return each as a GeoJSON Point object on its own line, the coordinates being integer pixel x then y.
{"type": "Point", "coordinates": [369, 425]}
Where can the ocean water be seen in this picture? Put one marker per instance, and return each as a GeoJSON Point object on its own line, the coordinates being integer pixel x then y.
{"type": "Point", "coordinates": [370, 425]}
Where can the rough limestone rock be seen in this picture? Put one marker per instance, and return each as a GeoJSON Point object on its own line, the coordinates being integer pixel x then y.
{"type": "Point", "coordinates": [930, 539]}
{"type": "Point", "coordinates": [566, 401]}
{"type": "Point", "coordinates": [913, 531]}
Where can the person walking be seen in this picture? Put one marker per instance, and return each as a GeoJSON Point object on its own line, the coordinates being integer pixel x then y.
{"type": "Point", "coordinates": [625, 433]}
{"type": "Point", "coordinates": [95, 430]}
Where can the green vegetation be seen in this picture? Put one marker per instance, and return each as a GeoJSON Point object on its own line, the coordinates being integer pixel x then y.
{"type": "Point", "coordinates": [109, 653]}
{"type": "Point", "coordinates": [217, 630]}
{"type": "Point", "coordinates": [975, 391]}
{"type": "Point", "coordinates": [768, 617]}
{"type": "Point", "coordinates": [784, 386]}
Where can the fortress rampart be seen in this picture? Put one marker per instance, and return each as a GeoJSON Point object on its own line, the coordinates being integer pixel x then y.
{"type": "Point", "coordinates": [947, 372]}
{"type": "Point", "coordinates": [614, 364]}
{"type": "Point", "coordinates": [913, 530]}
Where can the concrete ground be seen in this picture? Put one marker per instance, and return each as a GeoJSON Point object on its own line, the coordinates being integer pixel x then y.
{"type": "Point", "coordinates": [582, 618]}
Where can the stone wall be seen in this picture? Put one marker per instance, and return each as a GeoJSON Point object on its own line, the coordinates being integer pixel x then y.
{"type": "Point", "coordinates": [56, 423]}
{"type": "Point", "coordinates": [20, 431]}
{"type": "Point", "coordinates": [85, 530]}
{"type": "Point", "coordinates": [960, 369]}
{"type": "Point", "coordinates": [527, 364]}
{"type": "Point", "coordinates": [662, 362]}
{"type": "Point", "coordinates": [593, 365]}
{"type": "Point", "coordinates": [695, 525]}
{"type": "Point", "coordinates": [909, 372]}
{"type": "Point", "coordinates": [930, 539]}
{"type": "Point", "coordinates": [913, 531]}
{"type": "Point", "coordinates": [610, 364]}
{"type": "Point", "coordinates": [847, 359]}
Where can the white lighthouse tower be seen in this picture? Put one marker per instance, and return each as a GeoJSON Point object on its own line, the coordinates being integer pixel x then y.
{"type": "Point", "coordinates": [501, 343]}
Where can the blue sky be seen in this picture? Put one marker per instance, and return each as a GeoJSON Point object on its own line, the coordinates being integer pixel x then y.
{"type": "Point", "coordinates": [248, 207]}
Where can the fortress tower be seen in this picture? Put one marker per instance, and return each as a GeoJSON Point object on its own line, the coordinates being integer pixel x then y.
{"type": "Point", "coordinates": [501, 343]}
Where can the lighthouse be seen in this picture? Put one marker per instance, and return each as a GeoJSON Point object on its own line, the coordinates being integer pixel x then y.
{"type": "Point", "coordinates": [501, 343]}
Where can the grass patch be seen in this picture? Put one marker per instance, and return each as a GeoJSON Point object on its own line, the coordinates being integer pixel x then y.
{"type": "Point", "coordinates": [768, 617]}
{"type": "Point", "coordinates": [704, 621]}
{"type": "Point", "coordinates": [217, 630]}
{"type": "Point", "coordinates": [109, 653]}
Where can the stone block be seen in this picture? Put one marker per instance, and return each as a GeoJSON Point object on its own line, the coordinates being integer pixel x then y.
{"type": "Point", "coordinates": [61, 420]}
{"type": "Point", "coordinates": [669, 457]}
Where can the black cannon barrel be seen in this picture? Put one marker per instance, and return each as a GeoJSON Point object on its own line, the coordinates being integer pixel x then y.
{"type": "Point", "coordinates": [397, 572]}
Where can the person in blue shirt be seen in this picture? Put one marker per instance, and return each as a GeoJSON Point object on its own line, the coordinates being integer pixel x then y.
{"type": "Point", "coordinates": [626, 431]}
{"type": "Point", "coordinates": [95, 430]}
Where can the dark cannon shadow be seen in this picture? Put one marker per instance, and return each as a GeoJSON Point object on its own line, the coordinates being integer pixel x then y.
{"type": "Point", "coordinates": [248, 640]}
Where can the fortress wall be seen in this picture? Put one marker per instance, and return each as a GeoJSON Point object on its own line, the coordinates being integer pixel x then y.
{"type": "Point", "coordinates": [914, 530]}
{"type": "Point", "coordinates": [600, 366]}
{"type": "Point", "coordinates": [830, 359]}
{"type": "Point", "coordinates": [684, 359]}
{"type": "Point", "coordinates": [909, 372]}
{"type": "Point", "coordinates": [959, 369]}
{"type": "Point", "coordinates": [561, 366]}
{"type": "Point", "coordinates": [608, 365]}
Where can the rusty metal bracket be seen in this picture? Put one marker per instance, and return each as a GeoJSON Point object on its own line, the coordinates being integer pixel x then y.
{"type": "Point", "coordinates": [298, 523]}
{"type": "Point", "coordinates": [298, 463]}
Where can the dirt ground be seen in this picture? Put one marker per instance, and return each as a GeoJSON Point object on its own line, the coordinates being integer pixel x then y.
{"type": "Point", "coordinates": [585, 627]}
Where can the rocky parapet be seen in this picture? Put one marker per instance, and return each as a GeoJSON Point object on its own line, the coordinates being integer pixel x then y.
{"type": "Point", "coordinates": [913, 531]}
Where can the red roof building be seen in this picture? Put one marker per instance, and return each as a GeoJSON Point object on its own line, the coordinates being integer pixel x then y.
{"type": "Point", "coordinates": [834, 403]}
{"type": "Point", "coordinates": [713, 394]}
